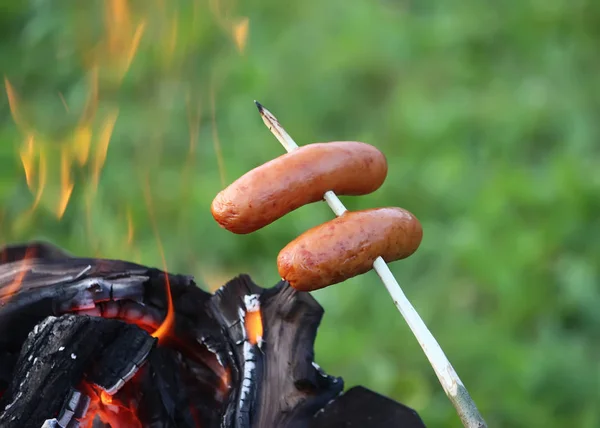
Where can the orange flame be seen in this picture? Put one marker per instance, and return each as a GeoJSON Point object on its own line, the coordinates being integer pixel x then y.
{"type": "Point", "coordinates": [240, 33]}
{"type": "Point", "coordinates": [168, 323]}
{"type": "Point", "coordinates": [108, 410]}
{"type": "Point", "coordinates": [254, 326]}
{"type": "Point", "coordinates": [14, 286]}
{"type": "Point", "coordinates": [122, 40]}
{"type": "Point", "coordinates": [236, 28]}
{"type": "Point", "coordinates": [27, 159]}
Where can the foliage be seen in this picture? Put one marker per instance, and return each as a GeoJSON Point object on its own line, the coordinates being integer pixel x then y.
{"type": "Point", "coordinates": [486, 112]}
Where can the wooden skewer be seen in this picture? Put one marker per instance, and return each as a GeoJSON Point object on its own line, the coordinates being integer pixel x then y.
{"type": "Point", "coordinates": [453, 387]}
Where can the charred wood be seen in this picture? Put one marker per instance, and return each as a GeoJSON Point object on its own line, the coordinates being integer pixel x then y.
{"type": "Point", "coordinates": [241, 357]}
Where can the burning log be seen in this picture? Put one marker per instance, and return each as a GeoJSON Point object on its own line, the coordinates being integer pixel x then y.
{"type": "Point", "coordinates": [80, 345]}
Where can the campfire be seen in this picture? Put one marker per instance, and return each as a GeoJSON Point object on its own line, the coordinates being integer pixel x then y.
{"type": "Point", "coordinates": [107, 343]}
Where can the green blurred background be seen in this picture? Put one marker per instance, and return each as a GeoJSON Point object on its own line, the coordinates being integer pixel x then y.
{"type": "Point", "coordinates": [486, 111]}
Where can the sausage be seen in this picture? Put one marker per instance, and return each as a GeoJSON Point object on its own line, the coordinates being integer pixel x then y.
{"type": "Point", "coordinates": [347, 246]}
{"type": "Point", "coordinates": [294, 179]}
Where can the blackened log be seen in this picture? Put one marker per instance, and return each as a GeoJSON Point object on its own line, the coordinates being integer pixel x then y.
{"type": "Point", "coordinates": [57, 356]}
{"type": "Point", "coordinates": [33, 287]}
{"type": "Point", "coordinates": [205, 373]}
{"type": "Point", "coordinates": [284, 388]}
{"type": "Point", "coordinates": [360, 407]}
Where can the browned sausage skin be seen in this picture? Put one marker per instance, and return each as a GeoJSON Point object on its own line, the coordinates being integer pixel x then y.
{"type": "Point", "coordinates": [347, 246]}
{"type": "Point", "coordinates": [294, 179]}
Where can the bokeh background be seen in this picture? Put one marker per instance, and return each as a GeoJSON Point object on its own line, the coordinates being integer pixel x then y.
{"type": "Point", "coordinates": [129, 114]}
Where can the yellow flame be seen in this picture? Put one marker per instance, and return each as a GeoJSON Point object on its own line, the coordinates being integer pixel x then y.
{"type": "Point", "coordinates": [41, 181]}
{"type": "Point", "coordinates": [237, 28]}
{"type": "Point", "coordinates": [27, 159]}
{"type": "Point", "coordinates": [13, 104]}
{"type": "Point", "coordinates": [66, 184]}
{"type": "Point", "coordinates": [115, 52]}
{"type": "Point", "coordinates": [117, 23]}
{"type": "Point", "coordinates": [83, 141]}
{"type": "Point", "coordinates": [102, 147]}
{"type": "Point", "coordinates": [135, 43]}
{"type": "Point", "coordinates": [240, 33]}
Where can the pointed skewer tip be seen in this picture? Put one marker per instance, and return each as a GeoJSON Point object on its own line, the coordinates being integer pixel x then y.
{"type": "Point", "coordinates": [259, 106]}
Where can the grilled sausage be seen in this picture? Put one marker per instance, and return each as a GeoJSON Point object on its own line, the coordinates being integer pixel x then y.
{"type": "Point", "coordinates": [294, 179]}
{"type": "Point", "coordinates": [347, 246]}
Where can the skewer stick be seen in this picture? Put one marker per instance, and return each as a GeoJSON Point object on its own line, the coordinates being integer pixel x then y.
{"type": "Point", "coordinates": [454, 388]}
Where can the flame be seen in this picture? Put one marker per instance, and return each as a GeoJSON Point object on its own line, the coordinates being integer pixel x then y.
{"type": "Point", "coordinates": [168, 323]}
{"type": "Point", "coordinates": [83, 141]}
{"type": "Point", "coordinates": [122, 41]}
{"type": "Point", "coordinates": [27, 159]}
{"type": "Point", "coordinates": [254, 326]}
{"type": "Point", "coordinates": [102, 148]}
{"type": "Point", "coordinates": [14, 286]}
{"type": "Point", "coordinates": [108, 410]}
{"type": "Point", "coordinates": [66, 184]}
{"type": "Point", "coordinates": [237, 28]}
{"type": "Point", "coordinates": [135, 43]}
{"type": "Point", "coordinates": [105, 398]}
{"type": "Point", "coordinates": [240, 33]}
{"type": "Point", "coordinates": [13, 105]}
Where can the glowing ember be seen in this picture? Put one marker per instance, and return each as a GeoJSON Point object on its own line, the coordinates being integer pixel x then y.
{"type": "Point", "coordinates": [110, 411]}
{"type": "Point", "coordinates": [253, 321]}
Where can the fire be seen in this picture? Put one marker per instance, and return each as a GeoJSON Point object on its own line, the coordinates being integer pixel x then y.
{"type": "Point", "coordinates": [253, 321]}
{"type": "Point", "coordinates": [27, 159]}
{"type": "Point", "coordinates": [236, 27]}
{"type": "Point", "coordinates": [240, 33]}
{"type": "Point", "coordinates": [14, 286]}
{"type": "Point", "coordinates": [66, 184]}
{"type": "Point", "coordinates": [35, 153]}
{"type": "Point", "coordinates": [168, 323]}
{"type": "Point", "coordinates": [82, 142]}
{"type": "Point", "coordinates": [102, 148]}
{"type": "Point", "coordinates": [109, 410]}
{"type": "Point", "coordinates": [122, 40]}
{"type": "Point", "coordinates": [13, 105]}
